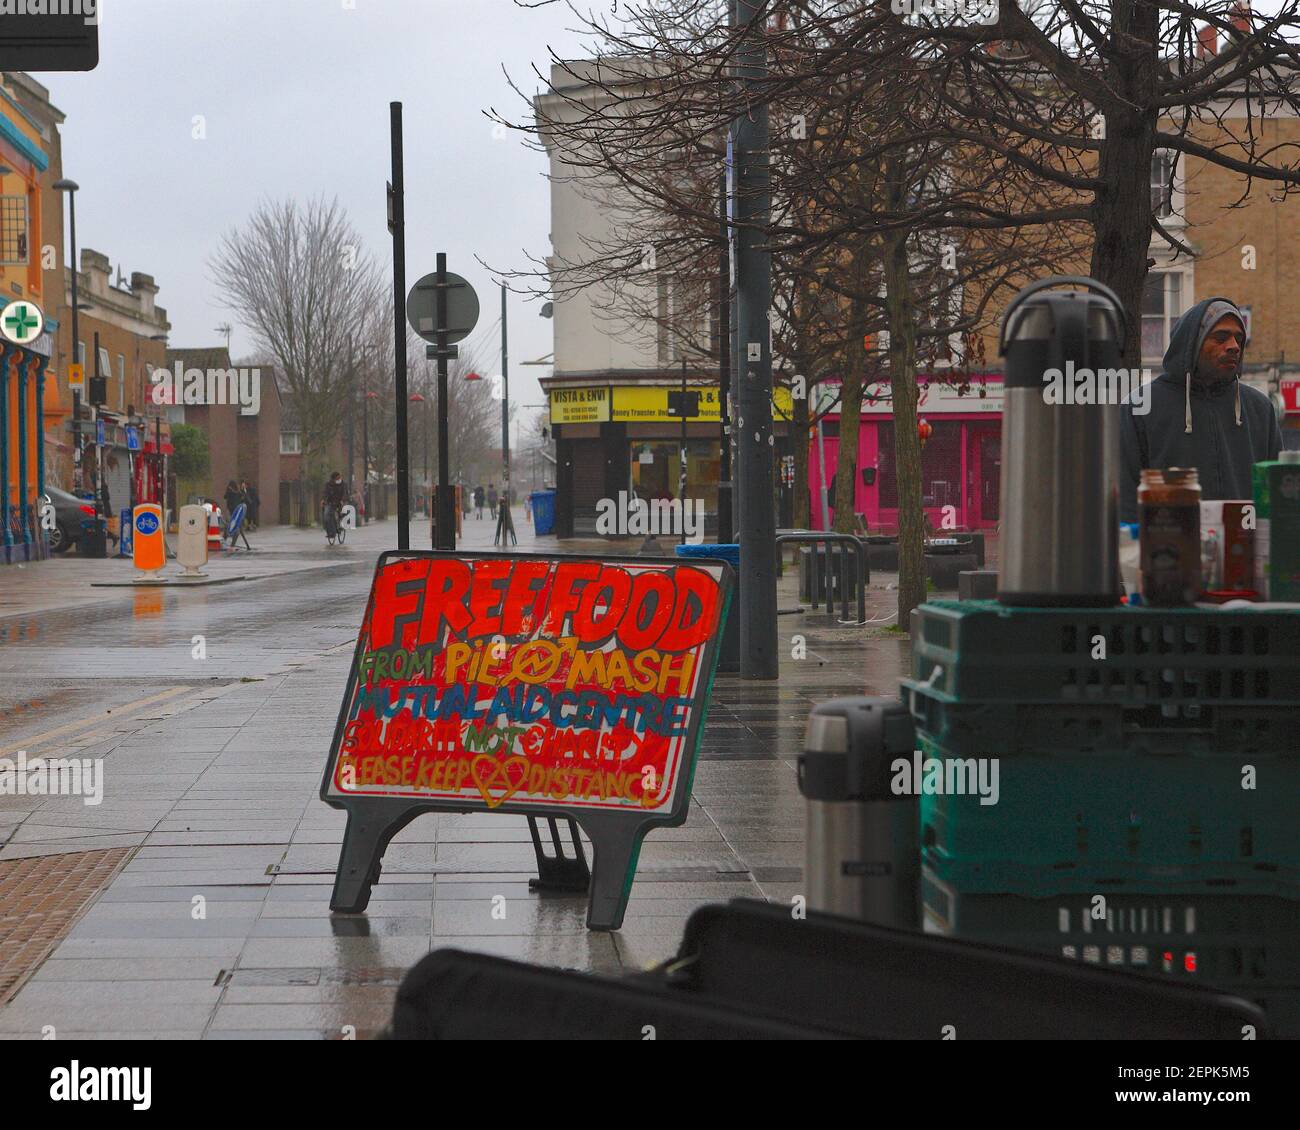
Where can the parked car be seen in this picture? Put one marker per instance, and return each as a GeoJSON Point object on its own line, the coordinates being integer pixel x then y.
{"type": "Point", "coordinates": [69, 510]}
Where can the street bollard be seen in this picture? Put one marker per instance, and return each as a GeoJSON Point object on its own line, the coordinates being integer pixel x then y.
{"type": "Point", "coordinates": [192, 543]}
{"type": "Point", "coordinates": [148, 549]}
{"type": "Point", "coordinates": [863, 857]}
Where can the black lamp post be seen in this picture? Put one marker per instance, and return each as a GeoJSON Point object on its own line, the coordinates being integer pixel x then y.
{"type": "Point", "coordinates": [70, 187]}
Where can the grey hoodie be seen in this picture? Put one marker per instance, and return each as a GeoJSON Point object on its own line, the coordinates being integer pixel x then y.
{"type": "Point", "coordinates": [1220, 428]}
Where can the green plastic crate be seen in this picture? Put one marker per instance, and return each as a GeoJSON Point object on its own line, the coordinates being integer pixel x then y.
{"type": "Point", "coordinates": [1248, 946]}
{"type": "Point", "coordinates": [1127, 810]}
{"type": "Point", "coordinates": [970, 728]}
{"type": "Point", "coordinates": [983, 651]}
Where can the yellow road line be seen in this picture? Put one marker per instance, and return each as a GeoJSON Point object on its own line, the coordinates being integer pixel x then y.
{"type": "Point", "coordinates": [127, 710]}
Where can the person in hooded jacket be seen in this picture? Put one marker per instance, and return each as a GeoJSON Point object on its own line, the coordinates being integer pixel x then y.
{"type": "Point", "coordinates": [1198, 412]}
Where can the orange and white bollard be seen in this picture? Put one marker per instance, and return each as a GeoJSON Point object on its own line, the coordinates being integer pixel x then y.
{"type": "Point", "coordinates": [214, 532]}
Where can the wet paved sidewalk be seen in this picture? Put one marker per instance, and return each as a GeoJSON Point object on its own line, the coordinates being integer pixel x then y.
{"type": "Point", "coordinates": [218, 925]}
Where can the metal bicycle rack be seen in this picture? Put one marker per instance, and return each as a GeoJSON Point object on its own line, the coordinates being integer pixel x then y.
{"type": "Point", "coordinates": [849, 541]}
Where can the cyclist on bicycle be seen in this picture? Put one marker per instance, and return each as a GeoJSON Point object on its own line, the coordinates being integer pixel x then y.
{"type": "Point", "coordinates": [336, 494]}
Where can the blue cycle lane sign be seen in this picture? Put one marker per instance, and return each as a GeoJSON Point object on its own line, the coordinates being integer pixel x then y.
{"type": "Point", "coordinates": [147, 523]}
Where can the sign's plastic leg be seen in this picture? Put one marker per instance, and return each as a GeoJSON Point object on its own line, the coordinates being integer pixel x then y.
{"type": "Point", "coordinates": [616, 842]}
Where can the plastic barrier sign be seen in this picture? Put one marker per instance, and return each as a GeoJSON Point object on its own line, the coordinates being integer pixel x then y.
{"type": "Point", "coordinates": [192, 545]}
{"type": "Point", "coordinates": [148, 550]}
{"type": "Point", "coordinates": [548, 686]}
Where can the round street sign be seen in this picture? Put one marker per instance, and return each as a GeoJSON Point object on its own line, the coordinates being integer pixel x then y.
{"type": "Point", "coordinates": [21, 322]}
{"type": "Point", "coordinates": [462, 308]}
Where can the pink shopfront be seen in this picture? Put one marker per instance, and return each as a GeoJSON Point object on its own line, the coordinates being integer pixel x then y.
{"type": "Point", "coordinates": [961, 461]}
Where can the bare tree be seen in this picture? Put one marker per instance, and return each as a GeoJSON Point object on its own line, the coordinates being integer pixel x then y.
{"type": "Point", "coordinates": [297, 276]}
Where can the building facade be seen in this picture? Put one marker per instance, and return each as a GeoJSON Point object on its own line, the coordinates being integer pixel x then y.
{"type": "Point", "coordinates": [621, 357]}
{"type": "Point", "coordinates": [243, 438]}
{"type": "Point", "coordinates": [128, 432]}
{"type": "Point", "coordinates": [26, 343]}
{"type": "Point", "coordinates": [1246, 250]}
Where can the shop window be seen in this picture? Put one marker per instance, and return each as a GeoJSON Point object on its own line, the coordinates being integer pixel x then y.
{"type": "Point", "coordinates": [940, 466]}
{"type": "Point", "coordinates": [656, 466]}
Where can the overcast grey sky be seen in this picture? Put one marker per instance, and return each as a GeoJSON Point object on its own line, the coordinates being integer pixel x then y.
{"type": "Point", "coordinates": [295, 95]}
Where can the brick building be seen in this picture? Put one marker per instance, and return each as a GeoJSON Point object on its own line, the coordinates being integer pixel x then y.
{"type": "Point", "coordinates": [298, 495]}
{"type": "Point", "coordinates": [26, 392]}
{"type": "Point", "coordinates": [241, 444]}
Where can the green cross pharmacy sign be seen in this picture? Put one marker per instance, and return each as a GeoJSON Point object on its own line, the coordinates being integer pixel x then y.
{"type": "Point", "coordinates": [21, 322]}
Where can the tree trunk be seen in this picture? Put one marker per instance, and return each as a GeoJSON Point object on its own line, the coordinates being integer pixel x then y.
{"type": "Point", "coordinates": [854, 373]}
{"type": "Point", "coordinates": [907, 444]}
{"type": "Point", "coordinates": [1122, 209]}
{"type": "Point", "coordinates": [800, 435]}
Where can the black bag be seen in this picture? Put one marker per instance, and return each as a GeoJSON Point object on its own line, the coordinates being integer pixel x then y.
{"type": "Point", "coordinates": [453, 995]}
{"type": "Point", "coordinates": [853, 979]}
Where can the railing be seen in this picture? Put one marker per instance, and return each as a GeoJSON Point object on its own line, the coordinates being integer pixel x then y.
{"type": "Point", "coordinates": [849, 542]}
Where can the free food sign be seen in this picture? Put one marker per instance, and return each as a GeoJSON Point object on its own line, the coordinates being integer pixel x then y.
{"type": "Point", "coordinates": [519, 683]}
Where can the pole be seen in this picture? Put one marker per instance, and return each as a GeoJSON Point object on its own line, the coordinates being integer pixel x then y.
{"type": "Point", "coordinates": [399, 327]}
{"type": "Point", "coordinates": [752, 207]}
{"type": "Point", "coordinates": [446, 512]}
{"type": "Point", "coordinates": [100, 508]}
{"type": "Point", "coordinates": [505, 403]}
{"type": "Point", "coordinates": [724, 372]}
{"type": "Point", "coordinates": [78, 439]}
{"type": "Point", "coordinates": [821, 474]}
{"type": "Point", "coordinates": [681, 487]}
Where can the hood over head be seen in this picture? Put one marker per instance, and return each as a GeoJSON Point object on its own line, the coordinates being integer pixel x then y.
{"type": "Point", "coordinates": [1185, 341]}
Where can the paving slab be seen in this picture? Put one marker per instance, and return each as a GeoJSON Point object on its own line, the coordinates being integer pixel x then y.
{"type": "Point", "coordinates": [213, 791]}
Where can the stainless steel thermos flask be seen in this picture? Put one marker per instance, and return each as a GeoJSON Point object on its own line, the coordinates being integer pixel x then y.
{"type": "Point", "coordinates": [1060, 444]}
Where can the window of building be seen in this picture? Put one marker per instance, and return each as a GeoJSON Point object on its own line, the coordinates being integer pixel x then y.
{"type": "Point", "coordinates": [121, 380]}
{"type": "Point", "coordinates": [290, 443]}
{"type": "Point", "coordinates": [13, 229]}
{"type": "Point", "coordinates": [685, 315]}
{"type": "Point", "coordinates": [657, 470]}
{"type": "Point", "coordinates": [1162, 303]}
{"type": "Point", "coordinates": [940, 465]}
{"type": "Point", "coordinates": [81, 354]}
{"type": "Point", "coordinates": [1162, 183]}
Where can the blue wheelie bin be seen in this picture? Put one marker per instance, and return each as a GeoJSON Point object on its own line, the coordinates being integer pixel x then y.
{"type": "Point", "coordinates": [729, 653]}
{"type": "Point", "coordinates": [543, 502]}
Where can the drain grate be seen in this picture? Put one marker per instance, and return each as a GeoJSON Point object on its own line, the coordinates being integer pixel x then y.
{"type": "Point", "coordinates": [40, 901]}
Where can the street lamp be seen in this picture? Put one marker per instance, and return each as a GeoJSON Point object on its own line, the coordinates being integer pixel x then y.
{"type": "Point", "coordinates": [70, 187]}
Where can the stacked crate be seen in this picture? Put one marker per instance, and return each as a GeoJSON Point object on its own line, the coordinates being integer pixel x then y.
{"type": "Point", "coordinates": [1148, 809]}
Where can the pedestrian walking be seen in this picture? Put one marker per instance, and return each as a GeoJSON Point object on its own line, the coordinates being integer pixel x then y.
{"type": "Point", "coordinates": [1197, 413]}
{"type": "Point", "coordinates": [478, 502]}
{"type": "Point", "coordinates": [235, 498]}
{"type": "Point", "coordinates": [492, 499]}
{"type": "Point", "coordinates": [254, 502]}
